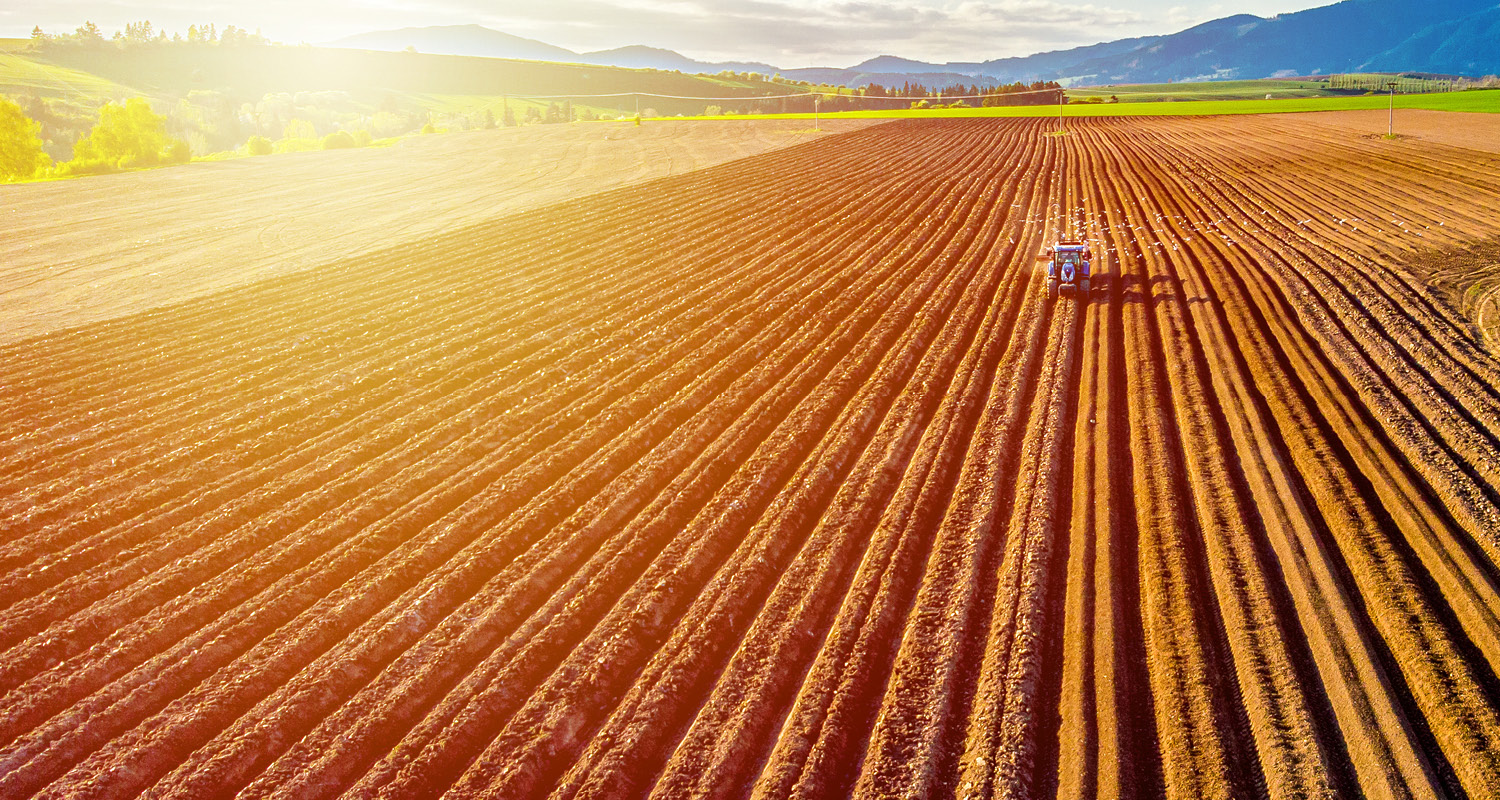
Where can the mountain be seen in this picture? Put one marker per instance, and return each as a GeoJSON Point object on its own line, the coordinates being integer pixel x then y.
{"type": "Point", "coordinates": [1463, 46]}
{"type": "Point", "coordinates": [459, 40]}
{"type": "Point", "coordinates": [1343, 37]}
{"type": "Point", "coordinates": [890, 80]}
{"type": "Point", "coordinates": [1456, 37]}
{"type": "Point", "coordinates": [477, 40]}
{"type": "Point", "coordinates": [642, 57]}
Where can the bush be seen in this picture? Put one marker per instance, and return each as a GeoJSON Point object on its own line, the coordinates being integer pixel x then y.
{"type": "Point", "coordinates": [258, 146]}
{"type": "Point", "coordinates": [297, 145]}
{"type": "Point", "coordinates": [21, 154]}
{"type": "Point", "coordinates": [299, 129]}
{"type": "Point", "coordinates": [131, 135]}
{"type": "Point", "coordinates": [338, 140]}
{"type": "Point", "coordinates": [429, 128]}
{"type": "Point", "coordinates": [92, 166]}
{"type": "Point", "coordinates": [362, 138]}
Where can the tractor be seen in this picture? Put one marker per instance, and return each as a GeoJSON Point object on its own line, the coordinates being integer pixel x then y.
{"type": "Point", "coordinates": [1068, 266]}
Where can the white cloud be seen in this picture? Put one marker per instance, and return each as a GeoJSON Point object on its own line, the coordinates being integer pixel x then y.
{"type": "Point", "coordinates": [782, 32]}
{"type": "Point", "coordinates": [835, 34]}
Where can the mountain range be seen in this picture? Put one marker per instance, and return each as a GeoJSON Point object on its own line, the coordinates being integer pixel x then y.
{"type": "Point", "coordinates": [1449, 37]}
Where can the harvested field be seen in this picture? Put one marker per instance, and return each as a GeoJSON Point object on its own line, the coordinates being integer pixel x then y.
{"type": "Point", "coordinates": [784, 478]}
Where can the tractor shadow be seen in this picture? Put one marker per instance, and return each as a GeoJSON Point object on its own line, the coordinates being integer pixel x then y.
{"type": "Point", "coordinates": [1136, 288]}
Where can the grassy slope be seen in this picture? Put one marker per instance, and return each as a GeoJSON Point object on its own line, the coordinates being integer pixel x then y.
{"type": "Point", "coordinates": [446, 82]}
{"type": "Point", "coordinates": [22, 75]}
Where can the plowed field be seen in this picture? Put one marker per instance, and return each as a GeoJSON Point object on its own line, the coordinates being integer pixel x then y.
{"type": "Point", "coordinates": [785, 478]}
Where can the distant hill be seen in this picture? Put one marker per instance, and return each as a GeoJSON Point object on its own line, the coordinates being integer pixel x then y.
{"type": "Point", "coordinates": [1345, 37]}
{"type": "Point", "coordinates": [641, 57]}
{"type": "Point", "coordinates": [477, 40]}
{"type": "Point", "coordinates": [1456, 37]}
{"type": "Point", "coordinates": [1437, 36]}
{"type": "Point", "coordinates": [459, 40]}
{"type": "Point", "coordinates": [245, 74]}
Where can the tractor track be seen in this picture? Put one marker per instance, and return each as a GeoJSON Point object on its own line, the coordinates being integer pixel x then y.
{"type": "Point", "coordinates": [785, 478]}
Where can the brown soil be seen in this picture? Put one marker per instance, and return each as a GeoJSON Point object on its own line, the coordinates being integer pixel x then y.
{"type": "Point", "coordinates": [87, 250]}
{"type": "Point", "coordinates": [785, 478]}
{"type": "Point", "coordinates": [1413, 126]}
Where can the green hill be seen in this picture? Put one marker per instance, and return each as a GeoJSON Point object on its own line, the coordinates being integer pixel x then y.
{"type": "Point", "coordinates": [171, 70]}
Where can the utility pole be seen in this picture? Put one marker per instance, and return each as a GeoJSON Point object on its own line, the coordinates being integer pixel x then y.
{"type": "Point", "coordinates": [816, 125]}
{"type": "Point", "coordinates": [1062, 95]}
{"type": "Point", "coordinates": [1390, 126]}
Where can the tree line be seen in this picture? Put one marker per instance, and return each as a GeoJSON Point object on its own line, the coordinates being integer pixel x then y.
{"type": "Point", "coordinates": [143, 33]}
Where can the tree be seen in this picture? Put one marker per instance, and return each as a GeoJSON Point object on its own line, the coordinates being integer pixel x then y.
{"type": "Point", "coordinates": [21, 154]}
{"type": "Point", "coordinates": [338, 140]}
{"type": "Point", "coordinates": [37, 35]}
{"type": "Point", "coordinates": [299, 129]}
{"type": "Point", "coordinates": [131, 135]}
{"type": "Point", "coordinates": [258, 146]}
{"type": "Point", "coordinates": [89, 33]}
{"type": "Point", "coordinates": [508, 117]}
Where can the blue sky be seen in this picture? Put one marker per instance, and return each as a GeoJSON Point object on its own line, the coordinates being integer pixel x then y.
{"type": "Point", "coordinates": [785, 33]}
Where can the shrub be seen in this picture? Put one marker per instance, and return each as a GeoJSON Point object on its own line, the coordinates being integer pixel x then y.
{"type": "Point", "coordinates": [429, 128]}
{"type": "Point", "coordinates": [299, 129]}
{"type": "Point", "coordinates": [21, 154]}
{"type": "Point", "coordinates": [258, 146]}
{"type": "Point", "coordinates": [338, 140]}
{"type": "Point", "coordinates": [178, 152]}
{"type": "Point", "coordinates": [131, 135]}
{"type": "Point", "coordinates": [362, 138]}
{"type": "Point", "coordinates": [296, 145]}
{"type": "Point", "coordinates": [91, 166]}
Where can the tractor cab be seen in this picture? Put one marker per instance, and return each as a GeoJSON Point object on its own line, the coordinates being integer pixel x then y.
{"type": "Point", "coordinates": [1068, 267]}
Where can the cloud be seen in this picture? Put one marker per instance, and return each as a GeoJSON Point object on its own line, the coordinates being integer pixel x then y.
{"type": "Point", "coordinates": [782, 32]}
{"type": "Point", "coordinates": [827, 33]}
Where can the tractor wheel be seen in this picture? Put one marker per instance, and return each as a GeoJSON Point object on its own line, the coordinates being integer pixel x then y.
{"type": "Point", "coordinates": [1084, 287]}
{"type": "Point", "coordinates": [1052, 289]}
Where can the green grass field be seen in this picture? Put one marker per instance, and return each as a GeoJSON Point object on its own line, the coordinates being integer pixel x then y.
{"type": "Point", "coordinates": [1484, 101]}
{"type": "Point", "coordinates": [1218, 90]}
{"type": "Point", "coordinates": [21, 75]}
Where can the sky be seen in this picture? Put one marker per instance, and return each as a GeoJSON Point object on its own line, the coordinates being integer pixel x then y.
{"type": "Point", "coordinates": [784, 33]}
